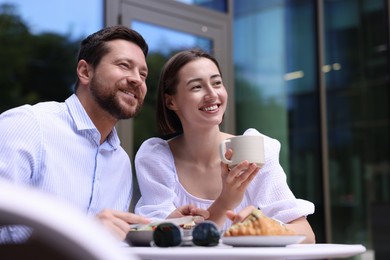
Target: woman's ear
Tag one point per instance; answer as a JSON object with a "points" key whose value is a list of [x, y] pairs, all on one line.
{"points": [[83, 72], [170, 102]]}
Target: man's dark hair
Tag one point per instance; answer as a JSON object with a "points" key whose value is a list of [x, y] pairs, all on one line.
{"points": [[94, 47]]}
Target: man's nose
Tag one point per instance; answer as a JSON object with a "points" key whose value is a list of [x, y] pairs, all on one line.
{"points": [[134, 78]]}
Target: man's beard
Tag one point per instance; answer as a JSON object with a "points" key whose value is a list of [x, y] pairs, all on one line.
{"points": [[110, 103]]}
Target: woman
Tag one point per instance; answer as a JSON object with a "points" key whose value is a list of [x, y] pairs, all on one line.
{"points": [[186, 169]]}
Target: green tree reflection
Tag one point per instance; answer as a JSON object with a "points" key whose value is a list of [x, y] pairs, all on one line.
{"points": [[34, 68]]}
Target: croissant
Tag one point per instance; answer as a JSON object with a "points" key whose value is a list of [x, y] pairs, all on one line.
{"points": [[258, 224]]}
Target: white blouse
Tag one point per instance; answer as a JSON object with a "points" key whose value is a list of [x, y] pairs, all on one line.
{"points": [[162, 193]]}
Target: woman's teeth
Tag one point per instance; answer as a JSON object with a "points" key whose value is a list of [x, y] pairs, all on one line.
{"points": [[210, 108]]}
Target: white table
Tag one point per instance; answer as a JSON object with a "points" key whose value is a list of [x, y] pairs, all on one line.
{"points": [[222, 252]]}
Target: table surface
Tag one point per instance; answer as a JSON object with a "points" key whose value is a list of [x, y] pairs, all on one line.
{"points": [[222, 252]]}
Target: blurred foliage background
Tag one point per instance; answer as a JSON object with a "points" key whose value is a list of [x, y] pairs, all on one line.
{"points": [[34, 68]]}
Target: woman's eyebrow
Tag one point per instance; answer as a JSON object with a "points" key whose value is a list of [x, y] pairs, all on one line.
{"points": [[199, 79], [193, 80]]}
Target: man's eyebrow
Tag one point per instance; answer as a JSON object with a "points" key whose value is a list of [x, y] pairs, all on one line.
{"points": [[130, 61], [124, 59]]}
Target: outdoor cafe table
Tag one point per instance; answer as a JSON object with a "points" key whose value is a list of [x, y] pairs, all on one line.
{"points": [[222, 252]]}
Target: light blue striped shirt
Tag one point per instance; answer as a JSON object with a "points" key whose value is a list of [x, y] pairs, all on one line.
{"points": [[55, 147]]}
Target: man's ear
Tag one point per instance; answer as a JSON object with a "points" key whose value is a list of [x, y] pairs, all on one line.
{"points": [[170, 102], [84, 72]]}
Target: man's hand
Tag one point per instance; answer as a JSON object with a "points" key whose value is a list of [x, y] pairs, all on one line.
{"points": [[119, 222]]}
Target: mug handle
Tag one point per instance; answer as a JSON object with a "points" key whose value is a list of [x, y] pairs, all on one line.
{"points": [[222, 151]]}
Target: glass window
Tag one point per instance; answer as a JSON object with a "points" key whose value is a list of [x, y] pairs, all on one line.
{"points": [[276, 88], [358, 95], [216, 5]]}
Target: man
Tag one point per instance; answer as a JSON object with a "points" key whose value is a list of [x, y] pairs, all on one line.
{"points": [[71, 150]]}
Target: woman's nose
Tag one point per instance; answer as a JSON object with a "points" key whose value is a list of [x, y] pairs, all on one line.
{"points": [[211, 93]]}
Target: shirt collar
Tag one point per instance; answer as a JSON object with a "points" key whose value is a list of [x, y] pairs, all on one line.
{"points": [[83, 122]]}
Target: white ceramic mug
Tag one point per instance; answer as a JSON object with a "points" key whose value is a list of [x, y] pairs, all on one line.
{"points": [[245, 147]]}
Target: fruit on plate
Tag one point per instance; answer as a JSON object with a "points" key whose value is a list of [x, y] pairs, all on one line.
{"points": [[258, 224]]}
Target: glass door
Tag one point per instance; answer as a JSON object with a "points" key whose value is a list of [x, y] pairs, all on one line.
{"points": [[168, 27]]}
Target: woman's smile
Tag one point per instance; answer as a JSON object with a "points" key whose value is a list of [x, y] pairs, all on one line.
{"points": [[210, 108]]}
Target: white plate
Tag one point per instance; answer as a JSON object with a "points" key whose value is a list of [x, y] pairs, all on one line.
{"points": [[262, 240]]}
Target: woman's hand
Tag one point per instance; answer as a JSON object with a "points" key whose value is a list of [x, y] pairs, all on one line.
{"points": [[189, 210], [235, 181], [118, 222], [240, 216]]}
